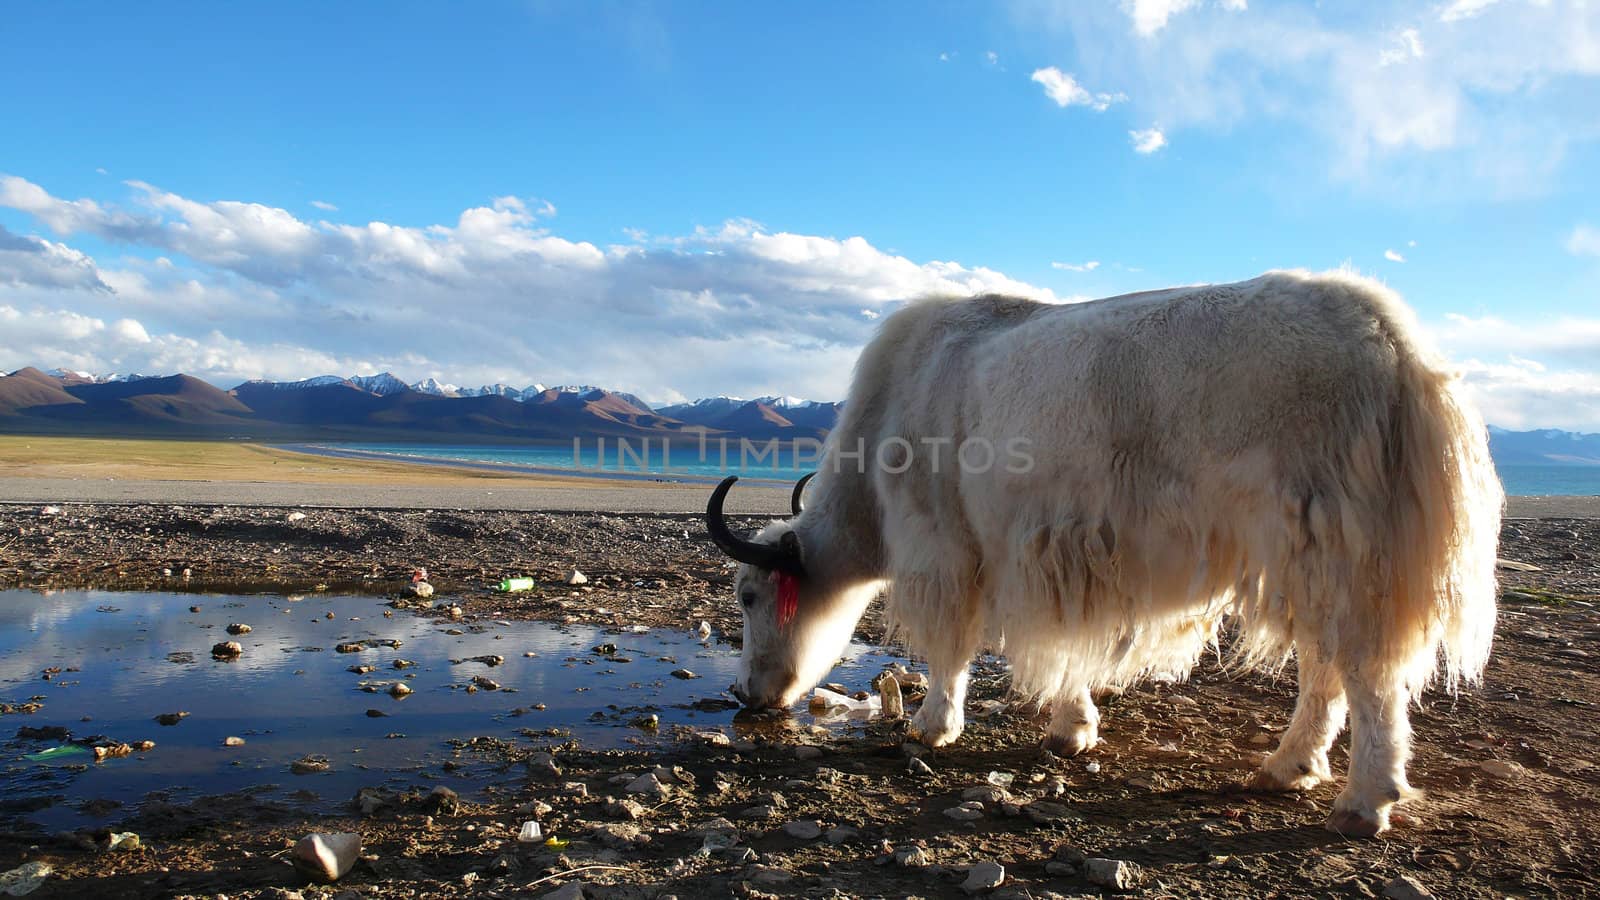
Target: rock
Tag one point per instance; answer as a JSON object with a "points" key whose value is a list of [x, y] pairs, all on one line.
{"points": [[986, 793], [625, 809], [1042, 811], [647, 784], [327, 857], [966, 812], [361, 669], [171, 718], [295, 516], [543, 764], [572, 890], [227, 650], [1116, 874], [1500, 768], [912, 858], [419, 589], [917, 767], [685, 674], [803, 829], [310, 765], [403, 663], [841, 833], [349, 647], [760, 813], [984, 876], [713, 739], [442, 801], [456, 612], [399, 689], [648, 721], [890, 698], [1511, 565], [239, 628], [1406, 888], [233, 741], [704, 630], [50, 511], [368, 801], [807, 751], [576, 577], [488, 684]]}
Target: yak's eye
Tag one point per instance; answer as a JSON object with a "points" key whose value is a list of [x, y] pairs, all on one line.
{"points": [[748, 598]]}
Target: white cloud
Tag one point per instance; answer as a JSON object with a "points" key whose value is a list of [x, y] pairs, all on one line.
{"points": [[1492, 103], [35, 262], [1066, 91], [1584, 241], [1147, 140], [1089, 266], [992, 57], [243, 290], [1393, 256], [324, 205], [944, 57], [1464, 9], [1541, 374], [1407, 46], [1150, 16]]}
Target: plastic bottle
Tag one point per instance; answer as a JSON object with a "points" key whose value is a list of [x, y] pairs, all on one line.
{"points": [[516, 584]]}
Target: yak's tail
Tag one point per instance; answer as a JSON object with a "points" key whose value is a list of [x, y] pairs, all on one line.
{"points": [[1444, 522]]}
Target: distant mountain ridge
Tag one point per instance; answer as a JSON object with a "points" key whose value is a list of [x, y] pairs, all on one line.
{"points": [[369, 407], [382, 406]]}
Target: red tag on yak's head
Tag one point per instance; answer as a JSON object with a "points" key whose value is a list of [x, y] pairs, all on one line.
{"points": [[788, 597]]}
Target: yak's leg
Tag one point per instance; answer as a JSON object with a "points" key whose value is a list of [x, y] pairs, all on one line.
{"points": [[1074, 723], [1380, 743], [942, 716], [1301, 760]]}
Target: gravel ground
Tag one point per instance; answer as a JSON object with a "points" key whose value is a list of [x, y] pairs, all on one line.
{"points": [[773, 808]]}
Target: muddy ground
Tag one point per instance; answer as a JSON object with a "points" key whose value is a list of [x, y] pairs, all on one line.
{"points": [[1512, 790]]}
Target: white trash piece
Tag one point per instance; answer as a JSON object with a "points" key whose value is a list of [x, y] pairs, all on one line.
{"points": [[828, 705], [531, 833]]}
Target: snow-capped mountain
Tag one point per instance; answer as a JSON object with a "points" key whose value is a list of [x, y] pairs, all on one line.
{"points": [[434, 387], [504, 390], [382, 384], [70, 376], [318, 381]]}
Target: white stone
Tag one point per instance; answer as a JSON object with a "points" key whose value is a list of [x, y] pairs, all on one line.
{"points": [[984, 876], [1116, 874], [576, 577], [327, 857], [572, 890], [966, 812]]}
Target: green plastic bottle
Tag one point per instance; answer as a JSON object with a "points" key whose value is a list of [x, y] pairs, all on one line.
{"points": [[516, 584]]}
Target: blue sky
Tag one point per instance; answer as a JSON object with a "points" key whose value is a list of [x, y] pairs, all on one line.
{"points": [[682, 199]]}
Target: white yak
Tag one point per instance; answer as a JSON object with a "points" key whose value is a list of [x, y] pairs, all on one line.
{"points": [[1092, 488]]}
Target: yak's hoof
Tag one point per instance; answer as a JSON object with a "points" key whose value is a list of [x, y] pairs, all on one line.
{"points": [[933, 729], [1272, 779], [1353, 824], [1078, 741]]}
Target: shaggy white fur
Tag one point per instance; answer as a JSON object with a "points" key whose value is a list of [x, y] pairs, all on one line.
{"points": [[1283, 453]]}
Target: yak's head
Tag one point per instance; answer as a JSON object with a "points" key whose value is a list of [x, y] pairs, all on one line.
{"points": [[795, 623]]}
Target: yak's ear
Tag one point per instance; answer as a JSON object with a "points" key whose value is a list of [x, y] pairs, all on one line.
{"points": [[790, 544]]}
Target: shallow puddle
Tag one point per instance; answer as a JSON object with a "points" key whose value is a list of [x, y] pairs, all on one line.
{"points": [[127, 658]]}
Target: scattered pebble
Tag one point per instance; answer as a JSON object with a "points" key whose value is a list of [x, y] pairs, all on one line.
{"points": [[239, 628], [984, 876], [227, 650], [803, 829], [1116, 874], [1406, 888], [327, 857]]}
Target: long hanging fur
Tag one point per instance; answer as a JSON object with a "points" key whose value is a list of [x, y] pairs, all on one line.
{"points": [[1284, 451]]}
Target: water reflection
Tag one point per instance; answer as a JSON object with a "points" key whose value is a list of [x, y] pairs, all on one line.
{"points": [[138, 655]]}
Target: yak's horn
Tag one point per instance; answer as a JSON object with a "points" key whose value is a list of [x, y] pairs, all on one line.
{"points": [[777, 557], [799, 488]]}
